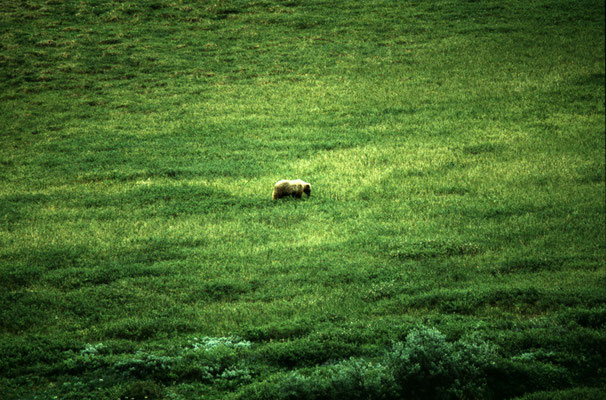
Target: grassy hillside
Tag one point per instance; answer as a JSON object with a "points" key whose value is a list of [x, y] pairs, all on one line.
{"points": [[453, 245]]}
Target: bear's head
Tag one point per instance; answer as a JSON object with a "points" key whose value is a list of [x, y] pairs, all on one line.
{"points": [[307, 189]]}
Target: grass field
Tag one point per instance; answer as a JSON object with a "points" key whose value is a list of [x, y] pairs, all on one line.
{"points": [[453, 245]]}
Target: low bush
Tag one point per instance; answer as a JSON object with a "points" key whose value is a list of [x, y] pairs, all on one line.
{"points": [[140, 390], [349, 379], [425, 365]]}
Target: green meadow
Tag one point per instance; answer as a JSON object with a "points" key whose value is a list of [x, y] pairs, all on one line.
{"points": [[453, 246]]}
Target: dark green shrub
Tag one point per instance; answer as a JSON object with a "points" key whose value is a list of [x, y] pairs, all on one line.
{"points": [[210, 359], [90, 358], [205, 360], [359, 379], [143, 366], [140, 390], [425, 365], [351, 379]]}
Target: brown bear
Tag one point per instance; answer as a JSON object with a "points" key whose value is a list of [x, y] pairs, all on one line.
{"points": [[294, 188]]}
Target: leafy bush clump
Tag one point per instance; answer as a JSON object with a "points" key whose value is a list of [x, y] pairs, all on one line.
{"points": [[212, 343], [359, 379], [142, 365], [425, 365], [351, 379], [220, 361], [206, 359], [211, 359], [140, 390]]}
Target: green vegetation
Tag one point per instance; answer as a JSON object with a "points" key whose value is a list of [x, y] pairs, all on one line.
{"points": [[453, 245]]}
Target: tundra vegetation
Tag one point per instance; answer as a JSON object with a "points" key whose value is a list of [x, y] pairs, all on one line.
{"points": [[454, 245]]}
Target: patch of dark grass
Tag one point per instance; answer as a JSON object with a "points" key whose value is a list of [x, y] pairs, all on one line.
{"points": [[305, 352], [24, 354], [592, 318], [51, 257], [528, 300], [103, 274], [528, 265], [15, 208], [342, 277], [146, 328], [291, 329], [498, 212], [17, 275], [453, 190], [150, 251], [220, 290], [25, 309], [23, 199], [428, 249], [582, 393], [223, 13], [168, 201], [481, 148], [593, 174], [94, 266], [513, 378]]}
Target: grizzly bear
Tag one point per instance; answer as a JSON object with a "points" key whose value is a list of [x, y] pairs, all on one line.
{"points": [[294, 188]]}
